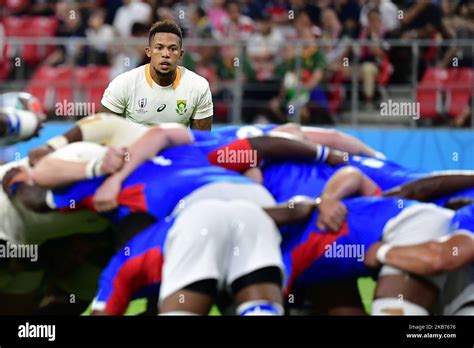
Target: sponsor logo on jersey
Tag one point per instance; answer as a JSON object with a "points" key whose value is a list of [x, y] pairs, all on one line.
{"points": [[161, 107]]}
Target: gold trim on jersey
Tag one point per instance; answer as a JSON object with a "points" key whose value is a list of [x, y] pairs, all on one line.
{"points": [[149, 79]]}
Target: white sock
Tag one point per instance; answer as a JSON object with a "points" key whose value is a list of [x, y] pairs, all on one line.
{"points": [[259, 307], [394, 306]]}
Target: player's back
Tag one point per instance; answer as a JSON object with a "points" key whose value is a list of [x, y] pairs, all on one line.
{"points": [[319, 256], [209, 141], [156, 186], [287, 179], [386, 174]]}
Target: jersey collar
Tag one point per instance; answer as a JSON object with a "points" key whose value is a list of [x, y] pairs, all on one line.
{"points": [[149, 80]]}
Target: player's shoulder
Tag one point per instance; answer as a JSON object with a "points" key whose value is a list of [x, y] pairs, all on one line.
{"points": [[192, 79], [131, 75]]}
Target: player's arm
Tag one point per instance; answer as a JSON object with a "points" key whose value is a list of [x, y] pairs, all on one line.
{"points": [[145, 148], [427, 258], [432, 187], [346, 182], [339, 141], [275, 147], [201, 118], [98, 128], [201, 124], [116, 96], [298, 209], [104, 109], [54, 172]]}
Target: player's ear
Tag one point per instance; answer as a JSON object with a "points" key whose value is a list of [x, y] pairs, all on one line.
{"points": [[148, 51], [181, 54]]}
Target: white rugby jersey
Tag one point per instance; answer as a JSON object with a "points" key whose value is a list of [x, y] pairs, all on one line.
{"points": [[135, 95], [20, 225]]}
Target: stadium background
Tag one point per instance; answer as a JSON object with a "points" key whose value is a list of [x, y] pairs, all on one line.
{"points": [[329, 63]]}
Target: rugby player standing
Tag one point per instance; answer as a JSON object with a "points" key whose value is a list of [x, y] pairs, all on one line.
{"points": [[161, 91]]}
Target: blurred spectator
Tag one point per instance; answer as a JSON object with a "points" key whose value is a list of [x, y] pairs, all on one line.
{"points": [[462, 53], [264, 46], [236, 25], [313, 12], [132, 11], [374, 63], [303, 25], [217, 15], [206, 66], [100, 35], [199, 25], [388, 13], [182, 12], [305, 94], [423, 20], [465, 118], [332, 31], [227, 63], [71, 26], [134, 55], [16, 7], [42, 7], [166, 13], [348, 12]]}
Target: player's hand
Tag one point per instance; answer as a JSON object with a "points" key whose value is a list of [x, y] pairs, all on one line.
{"points": [[38, 153], [106, 197], [332, 214], [371, 256], [113, 160]]}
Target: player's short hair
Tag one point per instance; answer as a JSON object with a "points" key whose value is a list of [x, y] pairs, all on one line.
{"points": [[166, 26]]}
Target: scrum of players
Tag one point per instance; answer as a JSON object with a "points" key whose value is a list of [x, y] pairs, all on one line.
{"points": [[258, 220]]}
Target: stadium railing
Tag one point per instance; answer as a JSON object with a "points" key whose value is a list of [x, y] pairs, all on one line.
{"points": [[448, 95]]}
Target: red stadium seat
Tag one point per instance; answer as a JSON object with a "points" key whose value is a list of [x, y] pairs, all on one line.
{"points": [[52, 85], [429, 92], [93, 80], [459, 90], [32, 27]]}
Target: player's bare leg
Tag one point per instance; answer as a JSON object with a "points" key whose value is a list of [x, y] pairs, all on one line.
{"points": [[404, 294], [337, 298]]}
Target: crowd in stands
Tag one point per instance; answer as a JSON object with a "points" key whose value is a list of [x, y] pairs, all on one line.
{"points": [[267, 31]]}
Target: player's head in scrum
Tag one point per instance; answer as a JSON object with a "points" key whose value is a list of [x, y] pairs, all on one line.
{"points": [[165, 48]]}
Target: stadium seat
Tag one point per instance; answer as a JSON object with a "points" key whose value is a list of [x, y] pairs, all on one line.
{"points": [[52, 85], [93, 80], [429, 92], [459, 89], [32, 27]]}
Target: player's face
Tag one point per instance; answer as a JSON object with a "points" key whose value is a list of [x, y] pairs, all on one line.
{"points": [[165, 52]]}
